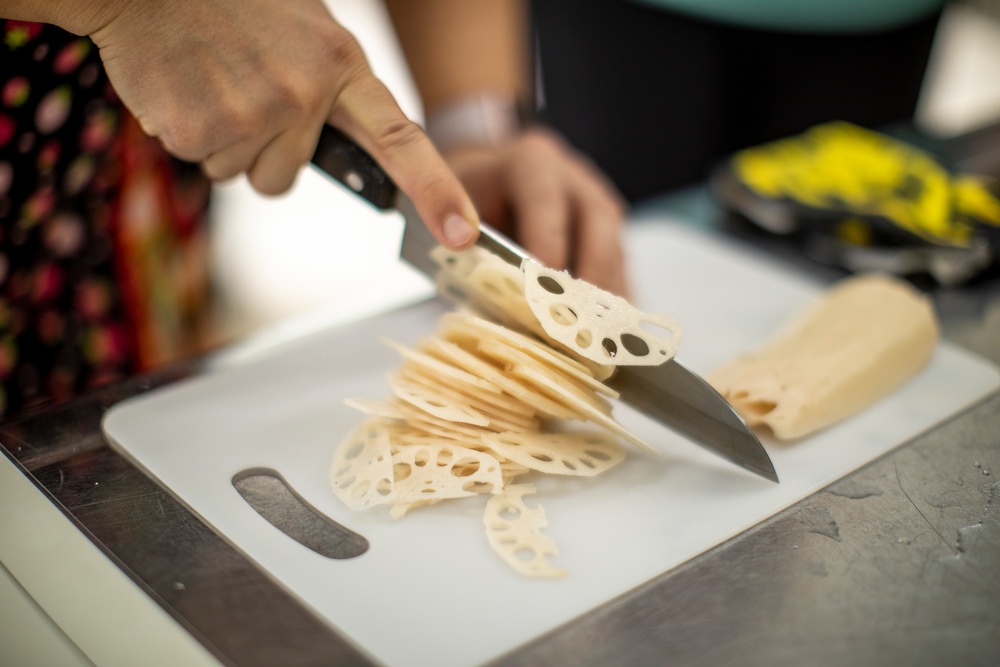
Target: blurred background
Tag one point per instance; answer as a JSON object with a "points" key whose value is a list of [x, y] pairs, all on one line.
{"points": [[318, 255]]}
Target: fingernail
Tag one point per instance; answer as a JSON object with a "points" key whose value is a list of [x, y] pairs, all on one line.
{"points": [[458, 230]]}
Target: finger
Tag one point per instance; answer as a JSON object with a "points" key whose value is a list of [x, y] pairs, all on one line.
{"points": [[195, 138], [276, 167], [542, 210], [366, 110], [227, 141], [475, 168], [600, 214], [232, 160], [599, 254], [181, 140]]}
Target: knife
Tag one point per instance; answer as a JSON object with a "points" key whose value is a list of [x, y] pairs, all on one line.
{"points": [[668, 393]]}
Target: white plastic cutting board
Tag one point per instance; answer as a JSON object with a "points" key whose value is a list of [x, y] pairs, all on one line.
{"points": [[430, 591]]}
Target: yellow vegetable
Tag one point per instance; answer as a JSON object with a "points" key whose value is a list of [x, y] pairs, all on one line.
{"points": [[845, 168]]}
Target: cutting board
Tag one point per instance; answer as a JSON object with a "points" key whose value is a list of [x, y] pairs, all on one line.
{"points": [[429, 591]]}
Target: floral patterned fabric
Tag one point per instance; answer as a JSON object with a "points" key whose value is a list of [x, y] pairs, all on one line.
{"points": [[102, 250]]}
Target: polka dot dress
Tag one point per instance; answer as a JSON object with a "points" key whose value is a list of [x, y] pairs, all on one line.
{"points": [[101, 244]]}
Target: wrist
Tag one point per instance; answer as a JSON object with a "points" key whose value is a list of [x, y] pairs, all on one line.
{"points": [[479, 120]]}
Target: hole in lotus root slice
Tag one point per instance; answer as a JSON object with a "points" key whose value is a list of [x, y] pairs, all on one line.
{"points": [[582, 454], [468, 468], [563, 314], [599, 315], [438, 476], [550, 285], [361, 472], [634, 345], [514, 530]]}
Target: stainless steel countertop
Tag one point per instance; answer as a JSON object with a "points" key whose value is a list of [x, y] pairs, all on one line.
{"points": [[898, 563]]}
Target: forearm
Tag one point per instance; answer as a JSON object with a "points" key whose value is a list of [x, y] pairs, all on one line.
{"points": [[457, 49]]}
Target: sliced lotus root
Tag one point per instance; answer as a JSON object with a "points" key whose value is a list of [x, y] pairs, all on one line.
{"points": [[482, 281], [597, 325], [437, 404], [361, 472], [408, 436], [587, 412], [510, 470], [504, 403], [425, 472], [509, 346], [444, 404], [457, 264], [515, 533], [456, 432], [386, 409], [411, 425], [509, 411], [499, 290], [583, 454], [557, 387], [399, 510], [451, 374], [510, 358], [476, 366], [469, 415]]}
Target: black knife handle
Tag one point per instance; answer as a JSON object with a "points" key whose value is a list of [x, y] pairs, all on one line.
{"points": [[338, 156]]}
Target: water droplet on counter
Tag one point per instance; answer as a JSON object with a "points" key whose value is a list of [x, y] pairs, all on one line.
{"points": [[178, 586], [903, 540], [978, 464], [795, 546], [986, 472]]}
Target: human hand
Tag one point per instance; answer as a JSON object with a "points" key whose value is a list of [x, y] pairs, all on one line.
{"points": [[550, 198], [245, 86]]}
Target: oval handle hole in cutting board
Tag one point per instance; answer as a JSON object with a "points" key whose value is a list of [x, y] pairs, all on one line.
{"points": [[271, 497]]}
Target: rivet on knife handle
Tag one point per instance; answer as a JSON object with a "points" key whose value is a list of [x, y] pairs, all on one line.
{"points": [[338, 155]]}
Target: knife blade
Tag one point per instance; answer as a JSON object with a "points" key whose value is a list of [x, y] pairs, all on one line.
{"points": [[668, 393]]}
